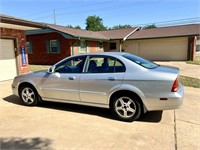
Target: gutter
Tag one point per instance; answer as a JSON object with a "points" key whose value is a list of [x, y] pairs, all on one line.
{"points": [[124, 39], [18, 21]]}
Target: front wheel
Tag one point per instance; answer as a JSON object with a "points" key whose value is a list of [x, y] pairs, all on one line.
{"points": [[126, 108], [28, 96]]}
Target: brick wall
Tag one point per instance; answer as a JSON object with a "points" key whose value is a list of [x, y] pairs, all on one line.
{"points": [[20, 40], [68, 46], [40, 55]]}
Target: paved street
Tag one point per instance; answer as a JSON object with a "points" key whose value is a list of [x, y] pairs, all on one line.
{"points": [[66, 126]]}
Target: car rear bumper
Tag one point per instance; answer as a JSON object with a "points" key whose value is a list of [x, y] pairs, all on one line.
{"points": [[174, 101]]}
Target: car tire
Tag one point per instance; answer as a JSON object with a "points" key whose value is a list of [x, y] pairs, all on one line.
{"points": [[126, 108], [29, 95]]}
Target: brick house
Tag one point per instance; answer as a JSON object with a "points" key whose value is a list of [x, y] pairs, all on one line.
{"points": [[13, 54], [48, 46]]}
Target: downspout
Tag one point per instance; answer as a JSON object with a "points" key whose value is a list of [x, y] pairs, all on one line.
{"points": [[124, 39]]}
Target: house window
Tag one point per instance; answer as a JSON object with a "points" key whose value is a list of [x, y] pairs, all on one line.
{"points": [[54, 46], [100, 45], [29, 47], [113, 46], [82, 46]]}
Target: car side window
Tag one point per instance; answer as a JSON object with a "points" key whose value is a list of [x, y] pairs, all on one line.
{"points": [[73, 65], [104, 64]]}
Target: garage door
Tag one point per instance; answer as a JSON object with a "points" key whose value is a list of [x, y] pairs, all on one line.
{"points": [[7, 60], [164, 49]]}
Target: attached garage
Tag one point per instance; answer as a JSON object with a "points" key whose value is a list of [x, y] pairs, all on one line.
{"points": [[175, 43], [159, 49], [13, 52], [8, 66]]}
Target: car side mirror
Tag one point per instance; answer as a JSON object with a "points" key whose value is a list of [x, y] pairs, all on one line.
{"points": [[51, 69]]}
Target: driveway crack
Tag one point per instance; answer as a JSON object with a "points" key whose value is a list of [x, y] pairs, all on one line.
{"points": [[175, 132]]}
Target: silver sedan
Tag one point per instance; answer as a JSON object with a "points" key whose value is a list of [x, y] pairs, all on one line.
{"points": [[125, 83]]}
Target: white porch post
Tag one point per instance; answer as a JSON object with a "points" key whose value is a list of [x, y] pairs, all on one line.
{"points": [[120, 46]]}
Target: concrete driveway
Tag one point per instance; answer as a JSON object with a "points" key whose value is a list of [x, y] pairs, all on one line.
{"points": [[65, 126]]}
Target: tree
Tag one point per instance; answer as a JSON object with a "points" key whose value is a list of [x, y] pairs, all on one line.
{"points": [[94, 23], [150, 26], [121, 26], [75, 27]]}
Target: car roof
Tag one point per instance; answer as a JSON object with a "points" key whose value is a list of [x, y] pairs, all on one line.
{"points": [[103, 53]]}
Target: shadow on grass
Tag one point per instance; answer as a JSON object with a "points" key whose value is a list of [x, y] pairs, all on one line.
{"points": [[154, 116], [25, 143]]}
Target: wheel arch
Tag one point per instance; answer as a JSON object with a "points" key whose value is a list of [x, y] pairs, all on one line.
{"points": [[129, 93], [30, 85]]}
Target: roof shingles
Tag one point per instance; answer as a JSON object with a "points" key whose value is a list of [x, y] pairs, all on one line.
{"points": [[78, 32], [104, 35], [173, 31]]}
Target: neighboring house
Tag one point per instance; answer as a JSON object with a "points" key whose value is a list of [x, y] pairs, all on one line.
{"points": [[13, 55], [47, 46]]}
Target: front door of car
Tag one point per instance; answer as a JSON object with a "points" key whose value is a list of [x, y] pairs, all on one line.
{"points": [[103, 74], [63, 82]]}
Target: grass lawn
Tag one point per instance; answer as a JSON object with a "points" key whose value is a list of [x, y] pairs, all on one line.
{"points": [[196, 60], [188, 81], [34, 68]]}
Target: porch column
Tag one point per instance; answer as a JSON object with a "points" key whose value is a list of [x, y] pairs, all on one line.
{"points": [[120, 45]]}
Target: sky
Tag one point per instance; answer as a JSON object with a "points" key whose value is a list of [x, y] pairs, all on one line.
{"points": [[113, 12]]}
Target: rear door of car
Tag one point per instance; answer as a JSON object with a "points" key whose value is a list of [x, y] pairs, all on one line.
{"points": [[102, 75]]}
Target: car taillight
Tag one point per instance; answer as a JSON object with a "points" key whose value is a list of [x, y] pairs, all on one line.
{"points": [[175, 86]]}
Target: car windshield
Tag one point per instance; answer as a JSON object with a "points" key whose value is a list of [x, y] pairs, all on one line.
{"points": [[140, 61]]}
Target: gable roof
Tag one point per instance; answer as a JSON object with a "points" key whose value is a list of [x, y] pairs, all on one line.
{"points": [[173, 31]]}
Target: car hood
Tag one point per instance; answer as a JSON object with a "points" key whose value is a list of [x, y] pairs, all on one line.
{"points": [[33, 74]]}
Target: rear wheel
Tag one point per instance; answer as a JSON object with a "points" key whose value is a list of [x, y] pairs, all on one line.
{"points": [[28, 96], [126, 108]]}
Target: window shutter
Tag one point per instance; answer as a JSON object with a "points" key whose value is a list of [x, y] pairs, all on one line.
{"points": [[30, 48], [48, 46], [58, 45]]}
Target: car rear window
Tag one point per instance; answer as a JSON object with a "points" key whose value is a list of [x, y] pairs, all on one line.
{"points": [[141, 61]]}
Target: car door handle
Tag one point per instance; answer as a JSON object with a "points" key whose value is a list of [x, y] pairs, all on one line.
{"points": [[111, 78], [71, 78]]}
